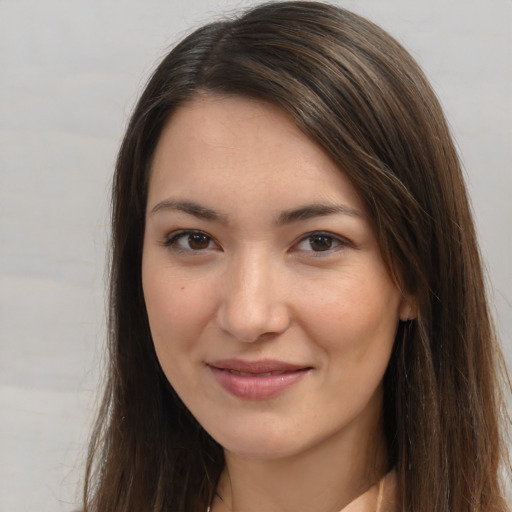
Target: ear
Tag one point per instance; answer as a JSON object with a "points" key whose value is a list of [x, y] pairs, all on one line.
{"points": [[408, 308]]}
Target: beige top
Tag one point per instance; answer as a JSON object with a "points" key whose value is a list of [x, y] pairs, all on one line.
{"points": [[379, 498]]}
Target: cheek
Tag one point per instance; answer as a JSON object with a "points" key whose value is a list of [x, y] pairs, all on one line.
{"points": [[353, 318], [177, 309]]}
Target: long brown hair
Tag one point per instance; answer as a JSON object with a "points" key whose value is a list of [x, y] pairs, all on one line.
{"points": [[352, 88]]}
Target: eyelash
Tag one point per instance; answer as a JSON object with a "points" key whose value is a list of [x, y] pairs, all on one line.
{"points": [[172, 240], [339, 243]]}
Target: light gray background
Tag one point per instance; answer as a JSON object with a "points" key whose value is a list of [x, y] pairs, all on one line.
{"points": [[70, 71]]}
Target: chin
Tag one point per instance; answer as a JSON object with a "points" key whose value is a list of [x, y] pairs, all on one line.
{"points": [[262, 449], [260, 442]]}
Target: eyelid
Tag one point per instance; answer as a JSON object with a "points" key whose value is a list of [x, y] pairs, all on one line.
{"points": [[170, 240], [342, 242]]}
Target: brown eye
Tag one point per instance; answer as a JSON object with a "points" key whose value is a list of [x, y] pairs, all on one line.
{"points": [[191, 241], [321, 242], [198, 241]]}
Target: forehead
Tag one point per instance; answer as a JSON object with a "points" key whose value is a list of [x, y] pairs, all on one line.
{"points": [[236, 147]]}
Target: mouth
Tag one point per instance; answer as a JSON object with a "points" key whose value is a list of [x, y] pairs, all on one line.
{"points": [[256, 380], [249, 374]]}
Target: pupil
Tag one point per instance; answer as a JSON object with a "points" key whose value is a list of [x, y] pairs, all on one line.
{"points": [[320, 243], [198, 241]]}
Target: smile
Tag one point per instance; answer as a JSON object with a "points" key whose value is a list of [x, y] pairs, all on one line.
{"points": [[256, 380]]}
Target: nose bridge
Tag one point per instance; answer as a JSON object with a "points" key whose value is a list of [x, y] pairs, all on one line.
{"points": [[252, 303]]}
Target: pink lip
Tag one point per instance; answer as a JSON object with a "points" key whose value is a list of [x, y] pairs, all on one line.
{"points": [[256, 380]]}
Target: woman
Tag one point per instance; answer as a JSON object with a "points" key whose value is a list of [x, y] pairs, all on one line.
{"points": [[298, 314]]}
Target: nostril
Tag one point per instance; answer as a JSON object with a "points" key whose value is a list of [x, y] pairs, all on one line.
{"points": [[252, 306], [254, 325]]}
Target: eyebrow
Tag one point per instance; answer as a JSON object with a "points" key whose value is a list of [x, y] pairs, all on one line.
{"points": [[315, 210], [191, 208], [286, 217]]}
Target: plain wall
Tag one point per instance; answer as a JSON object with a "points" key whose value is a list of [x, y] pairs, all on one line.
{"points": [[70, 72]]}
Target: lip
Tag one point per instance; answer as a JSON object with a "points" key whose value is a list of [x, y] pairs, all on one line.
{"points": [[256, 380]]}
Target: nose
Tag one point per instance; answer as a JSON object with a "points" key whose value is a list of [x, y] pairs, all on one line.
{"points": [[253, 302]]}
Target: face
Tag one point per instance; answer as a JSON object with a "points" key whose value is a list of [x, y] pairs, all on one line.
{"points": [[272, 313]]}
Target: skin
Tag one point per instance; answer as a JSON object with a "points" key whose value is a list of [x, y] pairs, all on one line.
{"points": [[254, 285]]}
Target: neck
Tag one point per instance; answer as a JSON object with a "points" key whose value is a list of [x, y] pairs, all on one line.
{"points": [[324, 478]]}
